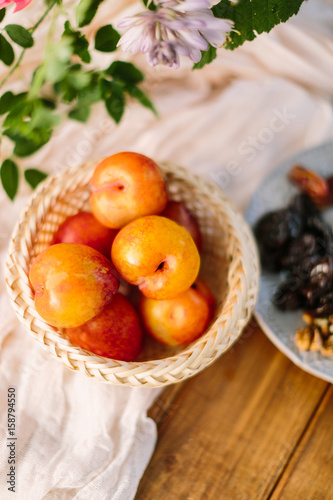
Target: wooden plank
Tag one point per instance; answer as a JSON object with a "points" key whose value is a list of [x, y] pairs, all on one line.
{"points": [[228, 432], [310, 470], [165, 405]]}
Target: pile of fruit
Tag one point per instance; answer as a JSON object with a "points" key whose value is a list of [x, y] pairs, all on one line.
{"points": [[297, 241], [135, 240]]}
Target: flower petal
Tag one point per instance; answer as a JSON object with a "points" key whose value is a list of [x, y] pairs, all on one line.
{"points": [[132, 40], [206, 19], [186, 5], [184, 28], [4, 3], [126, 22], [148, 41], [193, 38], [215, 38], [195, 55], [19, 4]]}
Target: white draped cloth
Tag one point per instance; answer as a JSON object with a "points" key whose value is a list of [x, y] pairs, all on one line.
{"points": [[231, 122]]}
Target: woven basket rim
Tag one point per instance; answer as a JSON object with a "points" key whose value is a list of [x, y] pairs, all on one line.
{"points": [[40, 202]]}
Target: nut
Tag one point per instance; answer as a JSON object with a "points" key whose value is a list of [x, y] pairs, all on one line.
{"points": [[322, 323], [308, 319], [317, 342], [327, 349], [304, 338]]}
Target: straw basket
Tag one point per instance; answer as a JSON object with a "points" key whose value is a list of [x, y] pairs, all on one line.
{"points": [[229, 265]]}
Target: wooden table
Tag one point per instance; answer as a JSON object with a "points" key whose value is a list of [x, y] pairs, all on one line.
{"points": [[251, 426]]}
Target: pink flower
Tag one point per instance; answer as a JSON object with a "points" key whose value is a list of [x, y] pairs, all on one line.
{"points": [[176, 28], [20, 4]]}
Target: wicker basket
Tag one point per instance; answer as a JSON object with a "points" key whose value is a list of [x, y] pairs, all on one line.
{"points": [[229, 265]]}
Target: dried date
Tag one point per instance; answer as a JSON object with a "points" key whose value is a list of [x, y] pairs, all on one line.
{"points": [[311, 184]]}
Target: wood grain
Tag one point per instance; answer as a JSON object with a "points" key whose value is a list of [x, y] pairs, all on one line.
{"points": [[228, 433], [309, 472]]}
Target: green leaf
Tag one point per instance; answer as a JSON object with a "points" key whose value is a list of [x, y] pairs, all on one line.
{"points": [[149, 4], [85, 11], [114, 98], [91, 93], [26, 147], [58, 59], [28, 144], [140, 96], [81, 114], [19, 35], [106, 39], [207, 57], [43, 117], [9, 177], [48, 103], [252, 17], [2, 14], [19, 114], [6, 102], [74, 82], [126, 72], [78, 79], [29, 125], [68, 93], [79, 42], [6, 51], [33, 176], [9, 100]]}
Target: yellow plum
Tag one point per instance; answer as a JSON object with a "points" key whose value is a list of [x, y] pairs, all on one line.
{"points": [[178, 212], [124, 187], [72, 283], [176, 321], [158, 255]]}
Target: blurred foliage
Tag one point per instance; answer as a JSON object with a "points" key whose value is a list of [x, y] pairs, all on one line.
{"points": [[65, 77]]}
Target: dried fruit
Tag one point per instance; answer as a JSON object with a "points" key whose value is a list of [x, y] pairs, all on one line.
{"points": [[299, 249], [321, 274], [298, 240], [287, 296], [304, 206], [322, 232], [330, 190], [310, 183], [270, 259], [324, 305], [274, 231]]}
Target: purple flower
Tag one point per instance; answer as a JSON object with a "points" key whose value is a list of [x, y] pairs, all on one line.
{"points": [[164, 52], [186, 5], [176, 28]]}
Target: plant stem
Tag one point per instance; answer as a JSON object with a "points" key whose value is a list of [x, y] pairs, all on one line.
{"points": [[39, 75], [16, 65], [50, 7]]}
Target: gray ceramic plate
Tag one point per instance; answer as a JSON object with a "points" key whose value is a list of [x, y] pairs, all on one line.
{"points": [[275, 192]]}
